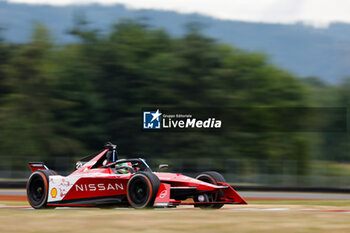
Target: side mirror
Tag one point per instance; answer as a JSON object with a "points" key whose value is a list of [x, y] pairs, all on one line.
{"points": [[163, 166]]}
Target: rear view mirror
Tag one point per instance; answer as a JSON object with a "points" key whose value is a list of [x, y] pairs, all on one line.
{"points": [[163, 166]]}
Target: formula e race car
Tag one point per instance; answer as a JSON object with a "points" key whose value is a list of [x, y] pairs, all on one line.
{"points": [[104, 180]]}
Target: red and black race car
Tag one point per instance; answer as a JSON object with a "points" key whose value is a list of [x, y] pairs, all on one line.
{"points": [[103, 180]]}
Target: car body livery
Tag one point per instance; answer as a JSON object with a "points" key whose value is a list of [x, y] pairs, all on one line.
{"points": [[97, 183]]}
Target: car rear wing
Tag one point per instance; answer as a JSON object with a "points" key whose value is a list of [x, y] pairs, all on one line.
{"points": [[34, 166]]}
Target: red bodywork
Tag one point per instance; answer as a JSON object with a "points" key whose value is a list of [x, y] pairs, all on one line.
{"points": [[92, 184]]}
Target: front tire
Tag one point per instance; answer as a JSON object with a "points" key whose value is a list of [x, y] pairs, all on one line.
{"points": [[37, 188], [211, 177], [142, 189]]}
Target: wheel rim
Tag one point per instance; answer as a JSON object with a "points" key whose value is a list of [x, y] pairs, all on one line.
{"points": [[210, 196], [37, 190], [139, 191]]}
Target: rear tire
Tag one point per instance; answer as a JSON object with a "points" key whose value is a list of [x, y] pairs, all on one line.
{"points": [[37, 188], [142, 189], [212, 177]]}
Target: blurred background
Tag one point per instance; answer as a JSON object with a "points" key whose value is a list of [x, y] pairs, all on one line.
{"points": [[75, 76]]}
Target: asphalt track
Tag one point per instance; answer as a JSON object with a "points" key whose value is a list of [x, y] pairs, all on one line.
{"points": [[248, 195], [230, 208], [21, 196]]}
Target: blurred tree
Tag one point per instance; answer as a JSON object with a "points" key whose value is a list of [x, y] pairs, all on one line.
{"points": [[301, 155], [4, 57], [335, 146], [65, 100], [28, 127]]}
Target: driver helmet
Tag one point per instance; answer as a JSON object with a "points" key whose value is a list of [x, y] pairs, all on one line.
{"points": [[123, 170]]}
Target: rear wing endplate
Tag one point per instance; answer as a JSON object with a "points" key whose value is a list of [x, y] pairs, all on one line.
{"points": [[34, 166]]}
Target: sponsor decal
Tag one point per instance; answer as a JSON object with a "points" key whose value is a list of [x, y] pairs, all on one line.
{"points": [[151, 120], [61, 186], [191, 123], [53, 193], [163, 194], [157, 120], [98, 187]]}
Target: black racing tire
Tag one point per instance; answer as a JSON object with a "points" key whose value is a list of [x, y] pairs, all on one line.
{"points": [[37, 188], [212, 177], [142, 190]]}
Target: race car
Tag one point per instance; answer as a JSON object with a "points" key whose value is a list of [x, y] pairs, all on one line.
{"points": [[103, 180]]}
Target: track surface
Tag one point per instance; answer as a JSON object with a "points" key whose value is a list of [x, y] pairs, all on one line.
{"points": [[245, 219], [19, 195], [320, 213], [256, 208], [296, 195]]}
